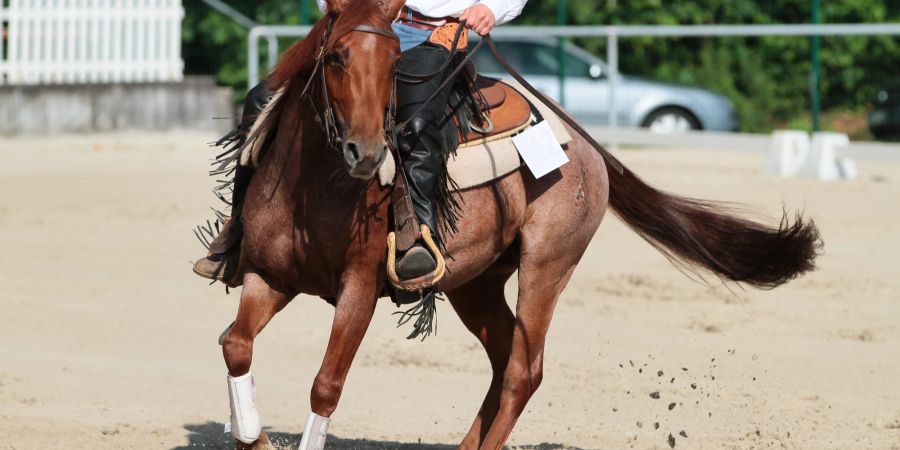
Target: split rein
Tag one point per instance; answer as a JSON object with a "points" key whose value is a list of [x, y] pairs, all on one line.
{"points": [[327, 120]]}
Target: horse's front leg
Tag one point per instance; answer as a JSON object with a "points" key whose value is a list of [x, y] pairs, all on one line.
{"points": [[353, 313], [259, 303]]}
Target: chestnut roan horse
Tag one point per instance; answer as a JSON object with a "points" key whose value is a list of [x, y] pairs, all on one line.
{"points": [[315, 222]]}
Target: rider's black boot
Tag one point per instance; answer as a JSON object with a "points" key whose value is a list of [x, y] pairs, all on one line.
{"points": [[423, 147]]}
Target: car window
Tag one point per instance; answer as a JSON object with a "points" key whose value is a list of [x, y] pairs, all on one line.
{"points": [[530, 59], [544, 59], [577, 67], [549, 56], [518, 55]]}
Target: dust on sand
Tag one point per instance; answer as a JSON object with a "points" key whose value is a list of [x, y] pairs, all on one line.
{"points": [[110, 340]]}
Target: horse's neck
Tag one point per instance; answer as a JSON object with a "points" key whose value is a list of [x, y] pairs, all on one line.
{"points": [[316, 158]]}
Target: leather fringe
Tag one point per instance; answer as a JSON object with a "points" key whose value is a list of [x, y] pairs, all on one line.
{"points": [[465, 103], [425, 313], [223, 167]]}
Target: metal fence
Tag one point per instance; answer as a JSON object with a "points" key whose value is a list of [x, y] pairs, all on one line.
{"points": [[90, 41], [609, 90], [614, 33]]}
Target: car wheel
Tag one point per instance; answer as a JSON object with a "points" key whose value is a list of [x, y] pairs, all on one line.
{"points": [[885, 136], [670, 120]]}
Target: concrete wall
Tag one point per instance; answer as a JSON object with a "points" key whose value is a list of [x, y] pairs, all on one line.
{"points": [[196, 104]]}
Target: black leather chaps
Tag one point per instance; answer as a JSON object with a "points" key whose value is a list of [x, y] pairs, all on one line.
{"points": [[428, 139], [256, 101]]}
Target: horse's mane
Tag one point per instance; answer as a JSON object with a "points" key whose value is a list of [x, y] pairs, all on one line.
{"points": [[299, 58]]}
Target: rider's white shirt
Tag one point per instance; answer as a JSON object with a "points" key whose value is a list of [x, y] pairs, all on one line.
{"points": [[504, 10]]}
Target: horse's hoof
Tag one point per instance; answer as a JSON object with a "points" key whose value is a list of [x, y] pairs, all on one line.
{"points": [[262, 443]]}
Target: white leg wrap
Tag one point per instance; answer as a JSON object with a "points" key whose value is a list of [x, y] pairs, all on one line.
{"points": [[245, 423], [315, 433]]}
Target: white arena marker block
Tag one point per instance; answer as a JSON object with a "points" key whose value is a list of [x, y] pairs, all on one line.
{"points": [[847, 168], [822, 163], [788, 149]]}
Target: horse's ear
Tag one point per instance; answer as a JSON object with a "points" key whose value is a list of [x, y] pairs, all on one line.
{"points": [[334, 7], [392, 8]]}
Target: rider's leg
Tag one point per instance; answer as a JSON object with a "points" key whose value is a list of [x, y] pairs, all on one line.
{"points": [[210, 266], [422, 147], [256, 101]]}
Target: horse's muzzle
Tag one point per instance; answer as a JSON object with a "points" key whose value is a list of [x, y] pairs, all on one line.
{"points": [[363, 161]]}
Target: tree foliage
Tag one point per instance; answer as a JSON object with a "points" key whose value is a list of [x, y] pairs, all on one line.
{"points": [[215, 44], [767, 78]]}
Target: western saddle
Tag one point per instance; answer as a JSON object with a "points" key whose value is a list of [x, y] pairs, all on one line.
{"points": [[505, 112]]}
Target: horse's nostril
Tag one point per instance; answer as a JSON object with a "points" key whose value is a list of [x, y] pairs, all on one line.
{"points": [[353, 149]]}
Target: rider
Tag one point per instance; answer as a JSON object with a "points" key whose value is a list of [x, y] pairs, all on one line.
{"points": [[423, 147]]}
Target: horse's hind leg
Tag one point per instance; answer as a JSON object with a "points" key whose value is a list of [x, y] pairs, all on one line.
{"points": [[542, 278], [259, 303], [482, 307]]}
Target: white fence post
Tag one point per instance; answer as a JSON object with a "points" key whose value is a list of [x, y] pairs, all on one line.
{"points": [[91, 41]]}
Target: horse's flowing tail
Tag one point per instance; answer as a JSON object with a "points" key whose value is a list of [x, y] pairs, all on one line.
{"points": [[697, 233]]}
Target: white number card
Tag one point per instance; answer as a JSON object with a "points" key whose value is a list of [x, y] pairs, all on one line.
{"points": [[540, 150]]}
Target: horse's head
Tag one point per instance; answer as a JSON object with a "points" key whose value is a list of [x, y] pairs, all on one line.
{"points": [[359, 63]]}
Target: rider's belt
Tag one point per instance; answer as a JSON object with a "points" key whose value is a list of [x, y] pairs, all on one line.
{"points": [[443, 29], [415, 19]]}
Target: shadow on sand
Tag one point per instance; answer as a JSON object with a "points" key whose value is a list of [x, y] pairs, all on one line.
{"points": [[209, 435]]}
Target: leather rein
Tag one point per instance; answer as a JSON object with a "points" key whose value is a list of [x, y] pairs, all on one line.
{"points": [[327, 120], [547, 101]]}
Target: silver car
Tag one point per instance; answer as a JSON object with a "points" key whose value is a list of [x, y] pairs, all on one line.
{"points": [[661, 107]]}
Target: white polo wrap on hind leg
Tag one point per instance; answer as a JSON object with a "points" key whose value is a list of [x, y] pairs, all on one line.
{"points": [[245, 424], [315, 433]]}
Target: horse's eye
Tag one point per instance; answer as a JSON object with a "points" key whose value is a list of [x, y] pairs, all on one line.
{"points": [[334, 59]]}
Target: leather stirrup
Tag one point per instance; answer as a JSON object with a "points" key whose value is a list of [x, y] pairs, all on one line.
{"points": [[425, 281]]}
